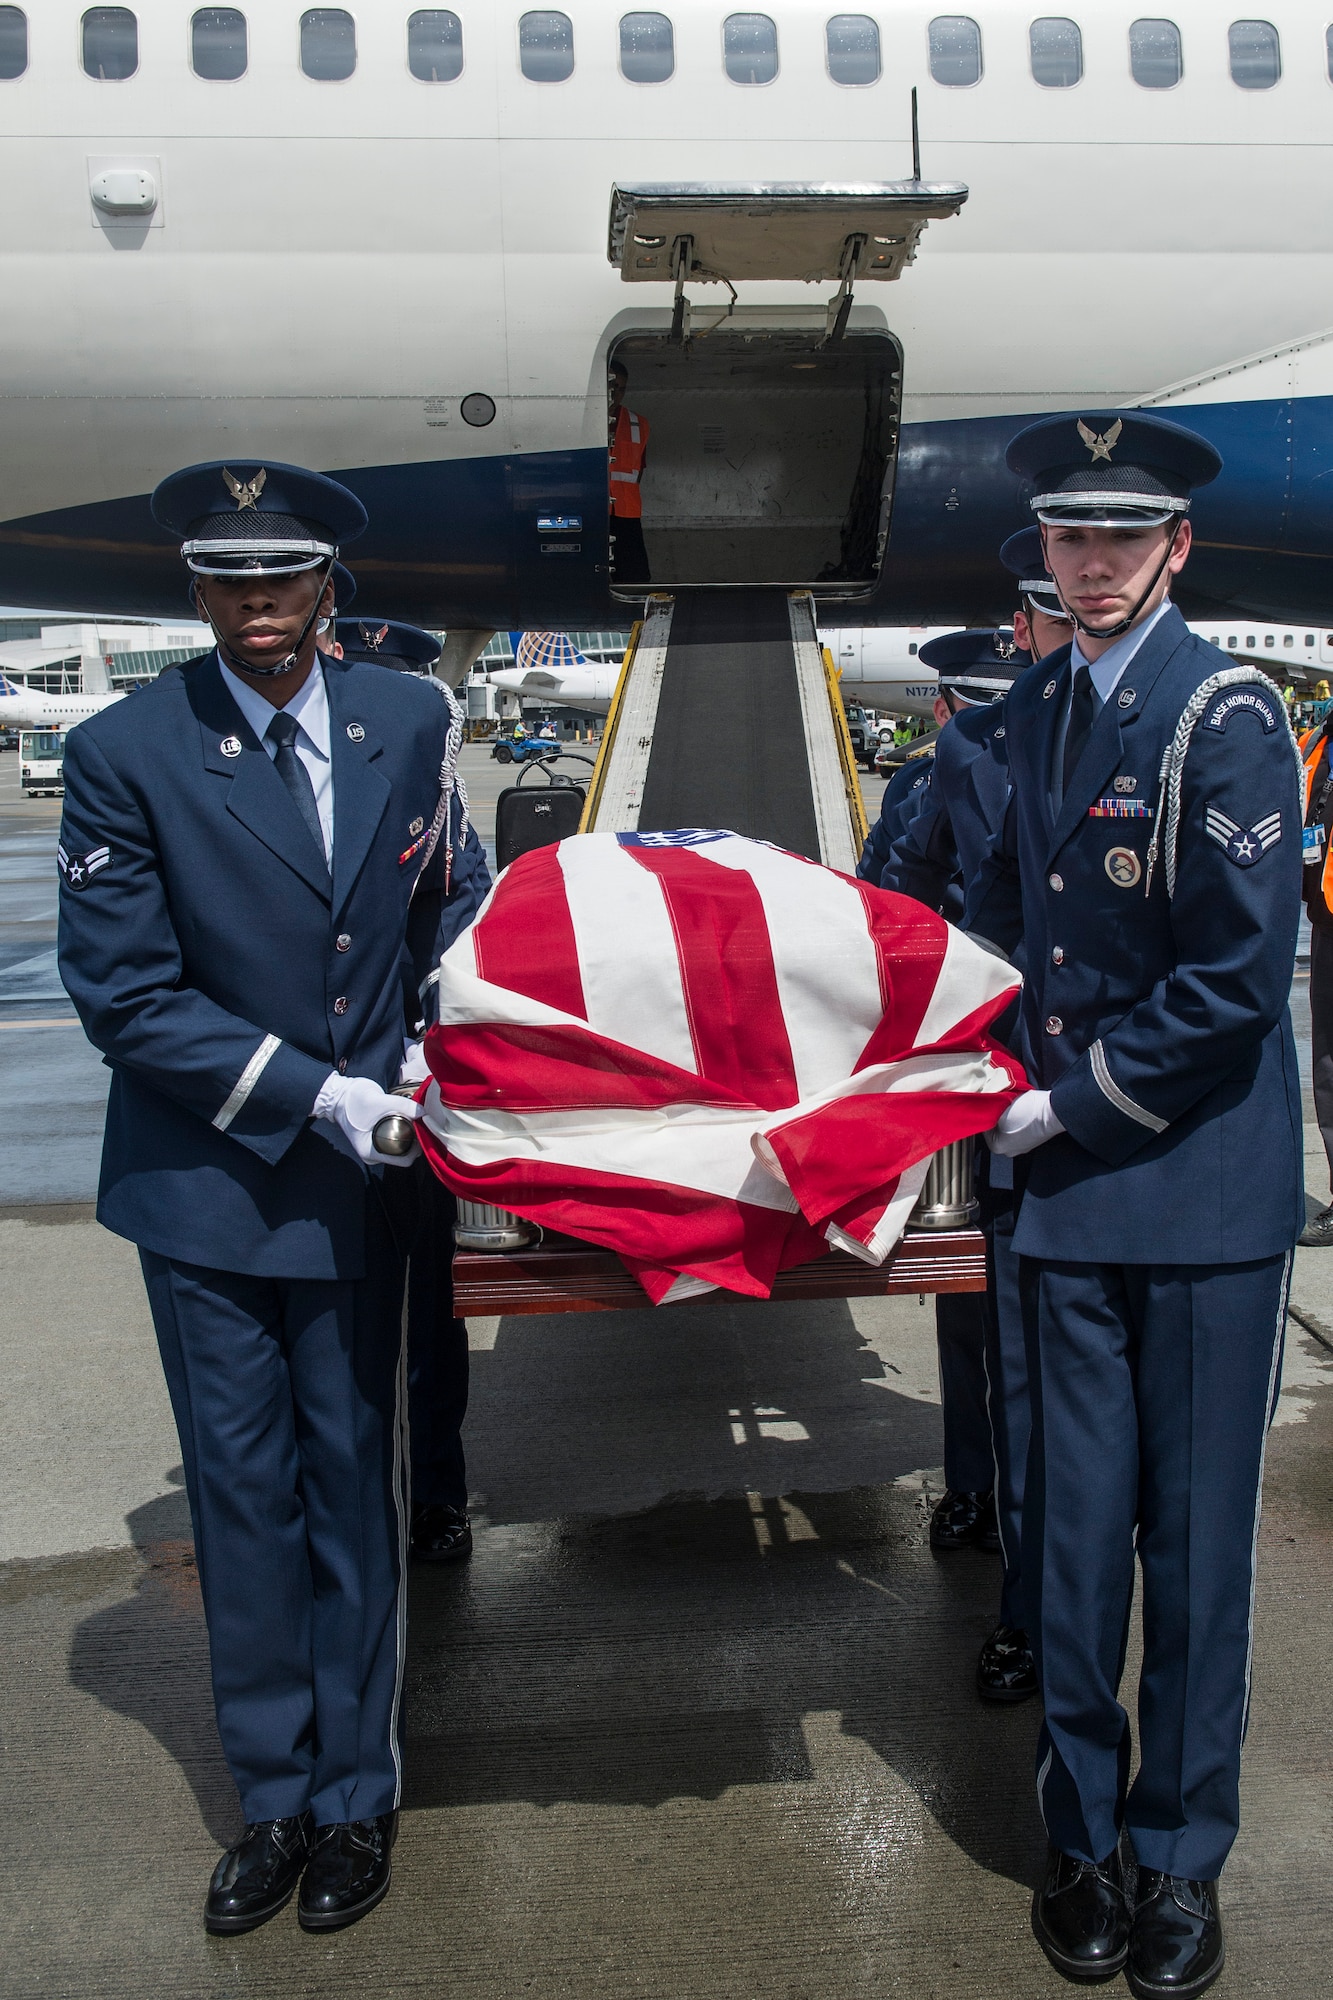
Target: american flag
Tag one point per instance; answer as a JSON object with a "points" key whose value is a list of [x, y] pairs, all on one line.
{"points": [[713, 1057]]}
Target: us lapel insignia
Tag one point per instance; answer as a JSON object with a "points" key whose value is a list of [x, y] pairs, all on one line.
{"points": [[1048, 691], [355, 733], [416, 826], [1127, 697], [231, 746]]}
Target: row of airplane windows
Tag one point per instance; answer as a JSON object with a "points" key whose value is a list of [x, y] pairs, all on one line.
{"points": [[219, 48]]}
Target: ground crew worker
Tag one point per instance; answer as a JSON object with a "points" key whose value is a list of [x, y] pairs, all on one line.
{"points": [[983, 1368], [629, 458], [1150, 870], [237, 866], [1317, 883], [437, 1349]]}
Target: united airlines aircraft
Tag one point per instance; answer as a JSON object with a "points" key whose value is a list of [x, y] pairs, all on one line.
{"points": [[403, 245]]}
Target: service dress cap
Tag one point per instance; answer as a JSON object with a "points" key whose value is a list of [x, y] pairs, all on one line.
{"points": [[1111, 468], [244, 516], [388, 643], [979, 665], [1024, 557]]}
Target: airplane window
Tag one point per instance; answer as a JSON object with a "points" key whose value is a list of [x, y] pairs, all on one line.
{"points": [[647, 48], [750, 48], [13, 42], [1154, 54], [435, 45], [546, 46], [1249, 638], [912, 647], [328, 44], [110, 43], [217, 44], [1256, 54], [852, 43], [1056, 48], [1287, 639], [1268, 639], [1232, 640], [1309, 638], [955, 50]]}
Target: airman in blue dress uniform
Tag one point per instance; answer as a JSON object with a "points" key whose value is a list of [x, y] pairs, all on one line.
{"points": [[437, 1350], [242, 849], [983, 1370], [903, 796], [1150, 869]]}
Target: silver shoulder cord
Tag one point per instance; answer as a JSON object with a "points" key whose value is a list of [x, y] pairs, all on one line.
{"points": [[1170, 776], [450, 784]]}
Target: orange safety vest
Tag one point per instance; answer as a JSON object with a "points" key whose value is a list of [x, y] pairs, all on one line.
{"points": [[1314, 749], [629, 447]]}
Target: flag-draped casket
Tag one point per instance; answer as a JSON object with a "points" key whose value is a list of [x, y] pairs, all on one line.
{"points": [[714, 1057]]}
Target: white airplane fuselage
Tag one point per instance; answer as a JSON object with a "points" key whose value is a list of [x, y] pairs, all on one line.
{"points": [[30, 708], [331, 270]]}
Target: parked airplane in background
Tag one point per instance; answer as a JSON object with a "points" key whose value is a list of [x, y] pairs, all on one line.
{"points": [[32, 708], [1112, 210]]}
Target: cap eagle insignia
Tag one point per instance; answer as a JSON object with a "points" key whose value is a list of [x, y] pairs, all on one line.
{"points": [[374, 636], [245, 492], [1103, 446]]}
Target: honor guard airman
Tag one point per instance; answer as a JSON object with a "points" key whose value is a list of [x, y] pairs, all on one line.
{"points": [[243, 847], [1149, 870], [983, 1368], [437, 1350]]}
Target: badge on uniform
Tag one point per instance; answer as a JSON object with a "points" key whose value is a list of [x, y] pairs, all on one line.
{"points": [[1240, 844], [78, 869], [355, 733], [1242, 698], [231, 746], [1123, 866]]}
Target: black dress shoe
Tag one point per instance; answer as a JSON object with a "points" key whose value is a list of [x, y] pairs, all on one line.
{"points": [[255, 1879], [1176, 1947], [987, 1535], [1080, 1917], [957, 1519], [348, 1872], [1318, 1231], [441, 1534], [1006, 1670]]}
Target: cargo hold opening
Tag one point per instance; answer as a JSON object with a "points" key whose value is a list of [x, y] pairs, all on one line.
{"points": [[770, 458]]}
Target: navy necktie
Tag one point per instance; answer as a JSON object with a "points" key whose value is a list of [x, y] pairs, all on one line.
{"points": [[1082, 714], [282, 731]]}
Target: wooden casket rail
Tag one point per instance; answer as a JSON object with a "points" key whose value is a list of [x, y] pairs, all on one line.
{"points": [[563, 1275]]}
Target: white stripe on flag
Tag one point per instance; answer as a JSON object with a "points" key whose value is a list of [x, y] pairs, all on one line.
{"points": [[699, 1146], [821, 943], [968, 979], [629, 966]]}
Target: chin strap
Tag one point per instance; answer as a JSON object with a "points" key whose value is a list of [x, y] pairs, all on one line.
{"points": [[1114, 631], [240, 666]]}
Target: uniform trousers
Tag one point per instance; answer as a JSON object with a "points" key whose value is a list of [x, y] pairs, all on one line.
{"points": [[1006, 1394], [1152, 1388], [288, 1397], [437, 1352], [1321, 1031], [629, 558], [960, 1334]]}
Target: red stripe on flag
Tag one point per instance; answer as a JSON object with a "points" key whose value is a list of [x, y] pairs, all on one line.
{"points": [[526, 939], [650, 1223], [731, 989], [509, 1068], [910, 943]]}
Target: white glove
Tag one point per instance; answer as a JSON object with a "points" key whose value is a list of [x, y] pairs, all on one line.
{"points": [[415, 1068], [1028, 1122], [356, 1105]]}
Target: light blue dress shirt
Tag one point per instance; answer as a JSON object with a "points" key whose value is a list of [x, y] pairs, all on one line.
{"points": [[310, 707]]}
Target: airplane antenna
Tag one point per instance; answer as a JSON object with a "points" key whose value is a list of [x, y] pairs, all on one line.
{"points": [[916, 140]]}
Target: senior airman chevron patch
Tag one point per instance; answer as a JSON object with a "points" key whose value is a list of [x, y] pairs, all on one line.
{"points": [[1243, 845]]}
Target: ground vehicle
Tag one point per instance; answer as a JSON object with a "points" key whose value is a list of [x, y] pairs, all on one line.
{"points": [[864, 735], [891, 756], [42, 762], [521, 750]]}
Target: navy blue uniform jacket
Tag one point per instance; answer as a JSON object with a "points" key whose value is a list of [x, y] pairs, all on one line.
{"points": [[223, 975], [902, 796], [952, 831], [1159, 1022]]}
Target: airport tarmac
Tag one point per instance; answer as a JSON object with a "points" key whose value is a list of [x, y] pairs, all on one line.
{"points": [[698, 1718]]}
